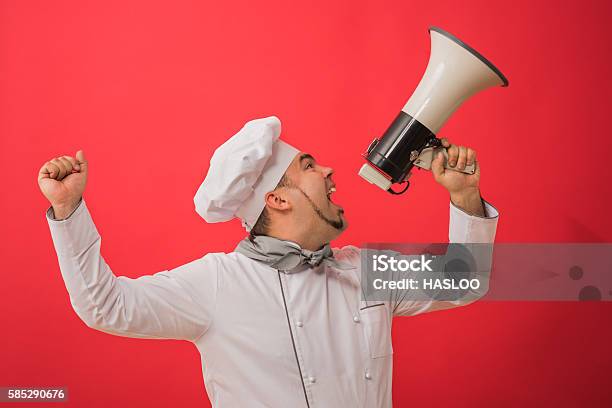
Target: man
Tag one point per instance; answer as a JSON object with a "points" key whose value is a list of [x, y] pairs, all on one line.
{"points": [[280, 321]]}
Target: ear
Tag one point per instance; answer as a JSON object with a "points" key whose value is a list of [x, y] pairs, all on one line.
{"points": [[278, 200]]}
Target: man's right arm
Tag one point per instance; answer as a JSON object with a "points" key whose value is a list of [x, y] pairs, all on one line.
{"points": [[172, 304]]}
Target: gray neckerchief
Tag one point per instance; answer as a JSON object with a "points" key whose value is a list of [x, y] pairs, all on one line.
{"points": [[287, 255]]}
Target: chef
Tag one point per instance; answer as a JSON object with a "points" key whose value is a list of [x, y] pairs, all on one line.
{"points": [[280, 321]]}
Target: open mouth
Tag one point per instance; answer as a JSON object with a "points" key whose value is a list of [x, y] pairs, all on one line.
{"points": [[330, 192]]}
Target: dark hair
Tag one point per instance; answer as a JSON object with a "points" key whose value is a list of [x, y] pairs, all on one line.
{"points": [[262, 225]]}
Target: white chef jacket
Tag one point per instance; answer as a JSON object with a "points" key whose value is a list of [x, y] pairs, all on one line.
{"points": [[266, 338]]}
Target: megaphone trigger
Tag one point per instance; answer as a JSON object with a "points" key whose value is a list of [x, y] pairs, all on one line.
{"points": [[427, 156]]}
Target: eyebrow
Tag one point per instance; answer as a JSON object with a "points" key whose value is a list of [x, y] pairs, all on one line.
{"points": [[306, 156]]}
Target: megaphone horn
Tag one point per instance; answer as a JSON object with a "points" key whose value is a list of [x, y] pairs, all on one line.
{"points": [[455, 72]]}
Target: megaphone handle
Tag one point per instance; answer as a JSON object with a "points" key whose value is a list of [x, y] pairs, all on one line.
{"points": [[427, 155]]}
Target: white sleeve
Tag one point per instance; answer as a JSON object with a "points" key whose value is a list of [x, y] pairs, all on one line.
{"points": [[464, 228], [171, 304]]}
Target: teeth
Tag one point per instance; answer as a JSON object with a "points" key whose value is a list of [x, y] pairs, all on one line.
{"points": [[330, 191]]}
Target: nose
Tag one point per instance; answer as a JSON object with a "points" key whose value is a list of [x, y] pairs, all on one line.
{"points": [[327, 171]]}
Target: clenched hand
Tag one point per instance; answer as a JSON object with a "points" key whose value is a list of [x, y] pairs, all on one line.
{"points": [[464, 188], [62, 181]]}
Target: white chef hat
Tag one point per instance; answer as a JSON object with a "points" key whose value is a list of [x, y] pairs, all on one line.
{"points": [[242, 170]]}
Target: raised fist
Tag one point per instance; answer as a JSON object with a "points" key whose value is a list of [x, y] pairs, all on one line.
{"points": [[62, 181]]}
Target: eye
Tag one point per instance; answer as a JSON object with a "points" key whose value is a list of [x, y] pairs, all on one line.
{"points": [[309, 165]]}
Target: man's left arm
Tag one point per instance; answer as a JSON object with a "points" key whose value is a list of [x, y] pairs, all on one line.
{"points": [[472, 221]]}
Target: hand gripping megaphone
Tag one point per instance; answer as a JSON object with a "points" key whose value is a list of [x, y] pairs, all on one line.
{"points": [[455, 72]]}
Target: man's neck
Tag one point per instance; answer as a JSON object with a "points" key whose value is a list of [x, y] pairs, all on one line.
{"points": [[306, 241]]}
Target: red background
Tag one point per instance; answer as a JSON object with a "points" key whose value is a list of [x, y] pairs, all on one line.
{"points": [[149, 89]]}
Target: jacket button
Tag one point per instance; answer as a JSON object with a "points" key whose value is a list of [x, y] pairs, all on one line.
{"points": [[299, 323], [368, 376], [312, 380], [356, 319]]}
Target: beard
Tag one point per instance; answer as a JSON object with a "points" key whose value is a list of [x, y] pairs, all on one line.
{"points": [[338, 224]]}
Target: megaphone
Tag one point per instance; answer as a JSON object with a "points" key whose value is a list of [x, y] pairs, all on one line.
{"points": [[455, 72]]}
